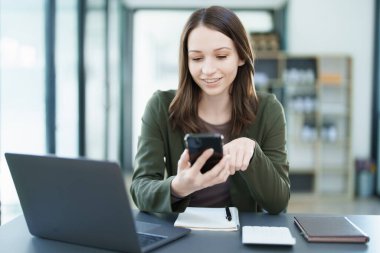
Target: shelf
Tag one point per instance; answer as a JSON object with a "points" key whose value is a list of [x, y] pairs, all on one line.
{"points": [[335, 114], [337, 143], [310, 85], [333, 170], [315, 91], [271, 83], [323, 84], [299, 141]]}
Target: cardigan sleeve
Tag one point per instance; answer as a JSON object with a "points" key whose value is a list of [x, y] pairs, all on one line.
{"points": [[150, 189], [267, 176]]}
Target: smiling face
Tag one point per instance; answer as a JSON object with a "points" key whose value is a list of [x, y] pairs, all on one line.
{"points": [[213, 61]]}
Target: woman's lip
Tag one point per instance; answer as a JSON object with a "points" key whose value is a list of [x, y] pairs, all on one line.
{"points": [[211, 80]]}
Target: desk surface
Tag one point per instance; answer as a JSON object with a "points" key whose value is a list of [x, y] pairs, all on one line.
{"points": [[14, 237]]}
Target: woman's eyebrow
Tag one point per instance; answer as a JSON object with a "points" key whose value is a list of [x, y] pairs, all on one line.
{"points": [[199, 51], [221, 48]]}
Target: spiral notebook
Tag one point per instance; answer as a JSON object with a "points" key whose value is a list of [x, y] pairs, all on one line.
{"points": [[204, 218]]}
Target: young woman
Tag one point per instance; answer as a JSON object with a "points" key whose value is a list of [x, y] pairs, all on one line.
{"points": [[215, 94]]}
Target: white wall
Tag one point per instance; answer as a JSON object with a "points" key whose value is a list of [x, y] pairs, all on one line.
{"points": [[340, 27]]}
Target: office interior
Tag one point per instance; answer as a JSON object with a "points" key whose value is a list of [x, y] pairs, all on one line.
{"points": [[75, 76]]}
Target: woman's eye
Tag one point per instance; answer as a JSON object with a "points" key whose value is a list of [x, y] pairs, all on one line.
{"points": [[196, 59], [221, 56]]}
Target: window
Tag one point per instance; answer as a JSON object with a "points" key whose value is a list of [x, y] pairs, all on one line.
{"points": [[22, 84], [66, 78]]}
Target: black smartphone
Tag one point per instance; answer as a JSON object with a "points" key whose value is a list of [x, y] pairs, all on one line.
{"points": [[198, 143]]}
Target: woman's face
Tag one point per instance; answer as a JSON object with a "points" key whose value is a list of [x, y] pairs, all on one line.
{"points": [[213, 60]]}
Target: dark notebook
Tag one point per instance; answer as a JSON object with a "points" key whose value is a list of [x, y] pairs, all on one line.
{"points": [[330, 229]]}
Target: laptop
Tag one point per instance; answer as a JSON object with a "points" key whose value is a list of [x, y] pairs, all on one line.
{"points": [[83, 202]]}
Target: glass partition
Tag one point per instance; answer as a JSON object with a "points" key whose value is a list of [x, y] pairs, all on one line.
{"points": [[22, 85], [66, 78]]}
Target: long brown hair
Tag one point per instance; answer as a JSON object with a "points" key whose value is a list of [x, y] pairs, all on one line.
{"points": [[183, 111]]}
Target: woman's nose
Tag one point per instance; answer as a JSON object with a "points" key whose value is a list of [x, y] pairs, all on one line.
{"points": [[208, 67]]}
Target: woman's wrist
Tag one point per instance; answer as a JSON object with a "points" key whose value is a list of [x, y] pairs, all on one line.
{"points": [[174, 189]]}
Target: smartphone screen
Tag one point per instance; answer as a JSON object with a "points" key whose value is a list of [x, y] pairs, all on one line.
{"points": [[198, 143]]}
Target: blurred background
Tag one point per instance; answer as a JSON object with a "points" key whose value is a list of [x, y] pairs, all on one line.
{"points": [[75, 76]]}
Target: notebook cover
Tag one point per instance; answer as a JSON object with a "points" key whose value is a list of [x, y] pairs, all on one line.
{"points": [[330, 229]]}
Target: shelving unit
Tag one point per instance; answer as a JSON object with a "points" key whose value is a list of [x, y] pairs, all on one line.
{"points": [[316, 94], [336, 168]]}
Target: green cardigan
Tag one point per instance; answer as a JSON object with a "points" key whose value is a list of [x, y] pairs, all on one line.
{"points": [[265, 183]]}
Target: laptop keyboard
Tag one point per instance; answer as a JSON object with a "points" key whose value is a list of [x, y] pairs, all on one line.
{"points": [[147, 239]]}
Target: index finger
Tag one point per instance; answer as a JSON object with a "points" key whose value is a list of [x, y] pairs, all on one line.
{"points": [[184, 160]]}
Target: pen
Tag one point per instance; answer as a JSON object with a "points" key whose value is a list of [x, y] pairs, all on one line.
{"points": [[228, 214]]}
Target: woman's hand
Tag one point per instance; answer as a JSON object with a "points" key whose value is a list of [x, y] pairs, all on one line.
{"points": [[240, 151], [190, 179]]}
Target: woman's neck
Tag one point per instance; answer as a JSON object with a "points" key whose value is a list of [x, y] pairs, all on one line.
{"points": [[215, 110]]}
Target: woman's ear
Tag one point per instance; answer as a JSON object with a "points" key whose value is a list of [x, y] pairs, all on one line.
{"points": [[241, 62]]}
